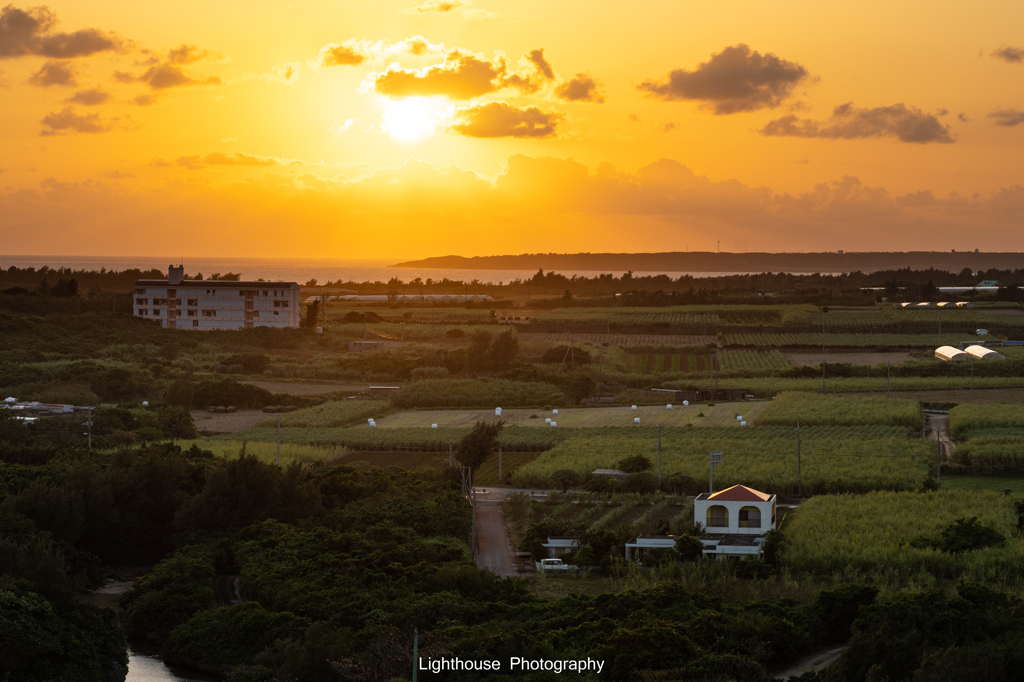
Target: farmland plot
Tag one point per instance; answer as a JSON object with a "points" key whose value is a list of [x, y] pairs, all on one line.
{"points": [[808, 339], [830, 410], [964, 419], [860, 359], [833, 459], [625, 340], [865, 533]]}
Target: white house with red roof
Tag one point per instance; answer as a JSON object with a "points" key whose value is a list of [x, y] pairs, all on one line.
{"points": [[736, 521]]}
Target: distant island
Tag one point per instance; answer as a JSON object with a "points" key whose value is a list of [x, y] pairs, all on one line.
{"points": [[706, 261]]}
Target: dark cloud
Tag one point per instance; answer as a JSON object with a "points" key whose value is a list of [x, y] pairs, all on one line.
{"points": [[164, 76], [54, 73], [1010, 55], [187, 54], [334, 54], [118, 175], [1007, 117], [441, 6], [582, 88], [963, 118], [498, 119], [146, 99], [669, 127], [67, 120], [736, 79], [90, 98], [542, 64], [197, 162], [463, 75], [848, 122], [30, 32]]}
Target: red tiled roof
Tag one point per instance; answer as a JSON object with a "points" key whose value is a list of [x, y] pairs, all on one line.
{"points": [[740, 493]]}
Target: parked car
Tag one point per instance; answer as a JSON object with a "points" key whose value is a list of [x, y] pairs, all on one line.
{"points": [[553, 565]]}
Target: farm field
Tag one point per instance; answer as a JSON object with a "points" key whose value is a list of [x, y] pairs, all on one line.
{"points": [[860, 359], [764, 386], [304, 388], [720, 415], [732, 361], [833, 459], [267, 451], [208, 423], [625, 340], [998, 484], [788, 314], [847, 340], [959, 395], [827, 410], [847, 533], [965, 420]]}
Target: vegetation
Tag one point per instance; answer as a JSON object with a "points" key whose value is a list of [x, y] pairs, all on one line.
{"points": [[819, 410], [966, 419], [477, 393]]}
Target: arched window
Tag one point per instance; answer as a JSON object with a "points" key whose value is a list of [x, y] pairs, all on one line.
{"points": [[750, 517], [718, 517]]}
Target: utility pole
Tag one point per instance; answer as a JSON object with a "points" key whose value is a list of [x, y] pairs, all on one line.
{"points": [[972, 384], [449, 453], [499, 459], [659, 456], [824, 309], [90, 426], [364, 326], [278, 440], [888, 379], [415, 651], [799, 471], [716, 458], [938, 447]]}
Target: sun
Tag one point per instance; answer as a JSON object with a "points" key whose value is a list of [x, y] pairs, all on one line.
{"points": [[411, 119]]}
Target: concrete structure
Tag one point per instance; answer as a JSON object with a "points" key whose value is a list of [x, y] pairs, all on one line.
{"points": [[611, 473], [950, 354], [178, 303], [562, 546], [402, 298], [982, 353], [384, 390], [736, 521], [639, 546]]}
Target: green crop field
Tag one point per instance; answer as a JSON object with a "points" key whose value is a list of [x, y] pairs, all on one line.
{"points": [[693, 315], [477, 393], [334, 413], [827, 410], [754, 361], [1015, 484], [846, 340], [230, 448], [967, 419], [764, 386], [873, 533], [992, 453], [833, 459]]}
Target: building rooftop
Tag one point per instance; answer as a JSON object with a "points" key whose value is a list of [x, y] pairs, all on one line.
{"points": [[740, 493], [213, 284]]}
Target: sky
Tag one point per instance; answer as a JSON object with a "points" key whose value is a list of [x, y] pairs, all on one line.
{"points": [[410, 129]]}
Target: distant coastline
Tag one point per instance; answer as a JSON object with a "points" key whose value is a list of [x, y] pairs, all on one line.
{"points": [[705, 261]]}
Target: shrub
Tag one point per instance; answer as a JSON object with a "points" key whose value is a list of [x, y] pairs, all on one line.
{"points": [[634, 464]]}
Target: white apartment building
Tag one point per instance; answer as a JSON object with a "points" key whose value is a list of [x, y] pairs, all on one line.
{"points": [[179, 303]]}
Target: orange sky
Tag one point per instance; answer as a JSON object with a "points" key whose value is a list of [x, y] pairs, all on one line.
{"points": [[409, 129]]}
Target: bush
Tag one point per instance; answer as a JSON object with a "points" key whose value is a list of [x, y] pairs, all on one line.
{"points": [[634, 464], [231, 635], [640, 483]]}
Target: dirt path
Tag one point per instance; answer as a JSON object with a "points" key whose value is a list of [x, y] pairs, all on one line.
{"points": [[816, 661], [494, 551], [935, 423]]}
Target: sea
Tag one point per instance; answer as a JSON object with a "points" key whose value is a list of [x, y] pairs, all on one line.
{"points": [[303, 270]]}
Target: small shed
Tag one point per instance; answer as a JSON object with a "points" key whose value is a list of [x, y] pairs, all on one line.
{"points": [[641, 544], [562, 546], [983, 353], [950, 354]]}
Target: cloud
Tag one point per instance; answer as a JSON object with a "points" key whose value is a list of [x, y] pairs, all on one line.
{"points": [[462, 75], [30, 32], [354, 52], [1007, 117], [920, 198], [541, 63], [197, 162], [963, 118], [146, 99], [118, 175], [669, 127], [340, 128], [734, 80], [54, 73], [90, 98], [67, 120], [441, 6], [498, 119], [1010, 55], [164, 76], [188, 54], [848, 122], [287, 73], [582, 88]]}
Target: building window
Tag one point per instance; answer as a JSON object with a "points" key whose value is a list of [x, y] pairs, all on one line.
{"points": [[191, 313], [195, 323], [280, 304], [750, 517], [142, 301], [140, 292], [143, 311], [241, 293], [209, 313], [209, 292], [256, 313], [159, 301], [718, 517], [265, 293], [193, 301]]}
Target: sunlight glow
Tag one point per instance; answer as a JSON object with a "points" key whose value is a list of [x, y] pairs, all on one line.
{"points": [[411, 119]]}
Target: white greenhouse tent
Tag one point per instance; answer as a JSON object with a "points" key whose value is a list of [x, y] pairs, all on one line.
{"points": [[983, 353], [950, 354]]}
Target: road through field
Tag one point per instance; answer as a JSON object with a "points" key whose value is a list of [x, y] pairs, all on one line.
{"points": [[494, 551]]}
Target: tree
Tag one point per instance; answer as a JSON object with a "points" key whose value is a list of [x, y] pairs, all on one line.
{"points": [[479, 357], [577, 386], [690, 547], [634, 464], [479, 444], [312, 313], [504, 350], [565, 479]]}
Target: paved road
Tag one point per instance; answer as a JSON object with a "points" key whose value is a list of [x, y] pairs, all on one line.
{"points": [[494, 551]]}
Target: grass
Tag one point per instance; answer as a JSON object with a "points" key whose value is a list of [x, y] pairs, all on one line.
{"points": [[267, 452], [580, 417], [964, 419], [869, 534], [772, 385], [827, 410], [333, 413], [979, 483], [833, 459]]}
